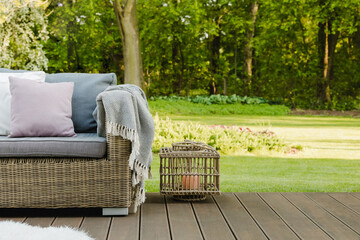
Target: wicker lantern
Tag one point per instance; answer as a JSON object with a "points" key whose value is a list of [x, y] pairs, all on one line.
{"points": [[189, 171]]}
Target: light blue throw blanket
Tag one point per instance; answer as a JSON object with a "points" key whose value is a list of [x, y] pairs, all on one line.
{"points": [[128, 116]]}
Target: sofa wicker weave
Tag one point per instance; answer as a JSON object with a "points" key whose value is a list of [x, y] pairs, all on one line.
{"points": [[68, 182]]}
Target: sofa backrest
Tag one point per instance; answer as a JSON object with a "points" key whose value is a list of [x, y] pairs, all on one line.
{"points": [[86, 87], [6, 70]]}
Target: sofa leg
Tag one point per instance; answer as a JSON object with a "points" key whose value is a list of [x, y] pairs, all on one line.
{"points": [[114, 211]]}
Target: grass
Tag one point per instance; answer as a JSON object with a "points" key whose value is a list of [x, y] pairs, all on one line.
{"points": [[329, 162], [274, 174], [271, 121]]}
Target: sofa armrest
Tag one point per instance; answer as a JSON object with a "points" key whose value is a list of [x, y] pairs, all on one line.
{"points": [[117, 147], [118, 150]]}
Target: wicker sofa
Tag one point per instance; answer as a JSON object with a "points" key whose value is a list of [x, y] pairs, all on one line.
{"points": [[42, 179]]}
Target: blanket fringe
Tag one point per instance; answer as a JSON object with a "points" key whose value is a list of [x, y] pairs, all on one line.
{"points": [[139, 197], [141, 173], [119, 130], [129, 134]]}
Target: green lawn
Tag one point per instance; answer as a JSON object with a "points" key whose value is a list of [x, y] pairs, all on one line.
{"points": [[329, 162], [273, 174]]}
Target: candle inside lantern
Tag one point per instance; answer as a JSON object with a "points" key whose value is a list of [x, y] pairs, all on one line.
{"points": [[190, 182]]}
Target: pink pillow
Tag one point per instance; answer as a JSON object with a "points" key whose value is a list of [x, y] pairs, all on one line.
{"points": [[40, 109]]}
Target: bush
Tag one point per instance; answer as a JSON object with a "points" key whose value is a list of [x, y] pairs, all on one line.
{"points": [[214, 99], [227, 140], [181, 106]]}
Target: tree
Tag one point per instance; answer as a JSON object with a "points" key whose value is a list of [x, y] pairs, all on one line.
{"points": [[188, 45], [248, 48], [337, 20], [126, 16], [84, 37], [174, 37], [22, 32], [328, 38]]}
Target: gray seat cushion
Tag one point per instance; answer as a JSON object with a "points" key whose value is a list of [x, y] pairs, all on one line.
{"points": [[86, 88], [83, 145]]}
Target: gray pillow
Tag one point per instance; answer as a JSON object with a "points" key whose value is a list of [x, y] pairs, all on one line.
{"points": [[6, 70], [87, 87]]}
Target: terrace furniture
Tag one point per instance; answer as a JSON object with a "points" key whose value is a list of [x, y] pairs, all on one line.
{"points": [[85, 171]]}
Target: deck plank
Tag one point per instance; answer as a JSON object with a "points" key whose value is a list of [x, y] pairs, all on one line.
{"points": [[270, 223], [14, 219], [298, 222], [211, 221], [96, 227], [337, 209], [40, 221], [356, 194], [182, 220], [228, 216], [154, 220], [125, 227], [348, 200], [323, 219], [73, 222], [239, 220]]}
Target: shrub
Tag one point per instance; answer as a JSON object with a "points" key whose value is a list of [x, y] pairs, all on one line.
{"points": [[227, 140], [171, 106], [214, 99]]}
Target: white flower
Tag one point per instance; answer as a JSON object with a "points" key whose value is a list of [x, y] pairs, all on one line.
{"points": [[20, 44]]}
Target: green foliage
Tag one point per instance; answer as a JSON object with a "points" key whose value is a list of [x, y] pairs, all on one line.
{"points": [[288, 47], [179, 106], [226, 140], [83, 37], [197, 46], [214, 99], [202, 47], [22, 31], [173, 37]]}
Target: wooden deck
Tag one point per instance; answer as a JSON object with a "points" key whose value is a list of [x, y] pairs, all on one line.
{"points": [[229, 216]]}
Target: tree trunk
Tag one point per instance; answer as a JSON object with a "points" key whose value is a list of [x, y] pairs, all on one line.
{"points": [[321, 50], [178, 63], [215, 48], [326, 64], [225, 86], [356, 38], [332, 41], [174, 62], [248, 49], [126, 16], [327, 45], [235, 56], [182, 65]]}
